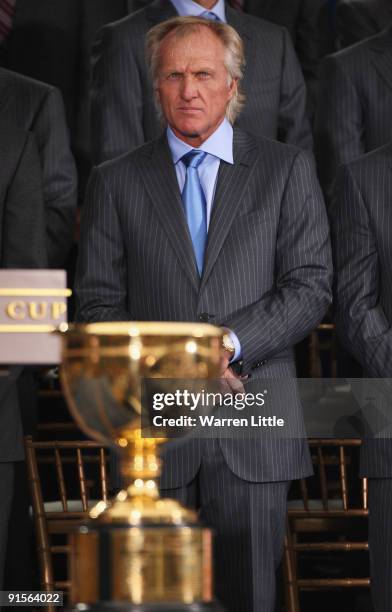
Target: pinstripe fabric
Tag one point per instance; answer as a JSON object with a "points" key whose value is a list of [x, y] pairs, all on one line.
{"points": [[308, 23], [354, 106], [360, 19], [362, 230], [266, 274], [123, 110], [380, 543], [363, 247], [248, 520], [38, 108]]}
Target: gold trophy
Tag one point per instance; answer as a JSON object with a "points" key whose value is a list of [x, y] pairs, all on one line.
{"points": [[138, 553]]}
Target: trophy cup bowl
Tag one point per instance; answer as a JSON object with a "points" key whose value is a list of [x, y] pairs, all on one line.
{"points": [[138, 552]]}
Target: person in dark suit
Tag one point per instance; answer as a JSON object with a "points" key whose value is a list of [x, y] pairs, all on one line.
{"points": [[362, 222], [354, 107], [123, 111], [37, 107], [309, 23], [22, 245], [242, 243], [93, 14], [360, 19]]}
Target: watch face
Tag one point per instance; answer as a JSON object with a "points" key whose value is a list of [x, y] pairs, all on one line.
{"points": [[228, 344]]}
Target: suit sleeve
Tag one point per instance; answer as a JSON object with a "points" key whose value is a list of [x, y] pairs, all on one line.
{"points": [[24, 243], [339, 122], [294, 126], [361, 322], [101, 273], [59, 177], [302, 290], [116, 98]]}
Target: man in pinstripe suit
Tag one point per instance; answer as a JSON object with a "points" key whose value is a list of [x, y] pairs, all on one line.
{"points": [[22, 245], [38, 107], [362, 230], [209, 223], [123, 112], [309, 24], [354, 106]]}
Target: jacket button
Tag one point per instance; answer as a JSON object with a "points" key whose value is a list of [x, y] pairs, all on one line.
{"points": [[204, 317], [258, 364]]}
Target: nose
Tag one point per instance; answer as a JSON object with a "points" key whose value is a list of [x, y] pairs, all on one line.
{"points": [[188, 88]]}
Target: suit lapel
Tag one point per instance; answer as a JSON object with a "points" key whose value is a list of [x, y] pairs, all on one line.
{"points": [[237, 21], [381, 47], [231, 184], [160, 180]]}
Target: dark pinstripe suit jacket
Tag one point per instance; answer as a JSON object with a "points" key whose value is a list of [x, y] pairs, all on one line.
{"points": [[354, 108], [38, 108], [123, 110], [22, 245], [360, 19], [266, 274], [362, 231], [308, 23]]}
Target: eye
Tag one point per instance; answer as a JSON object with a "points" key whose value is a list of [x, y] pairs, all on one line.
{"points": [[202, 74], [173, 76]]}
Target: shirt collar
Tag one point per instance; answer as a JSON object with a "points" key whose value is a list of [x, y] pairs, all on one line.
{"points": [[219, 144], [188, 8]]}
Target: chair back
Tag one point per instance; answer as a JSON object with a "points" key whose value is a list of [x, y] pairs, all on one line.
{"points": [[335, 489], [322, 522], [66, 478]]}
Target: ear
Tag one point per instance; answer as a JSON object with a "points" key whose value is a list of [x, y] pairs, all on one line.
{"points": [[233, 88]]}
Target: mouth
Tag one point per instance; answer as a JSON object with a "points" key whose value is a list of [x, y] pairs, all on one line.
{"points": [[187, 109]]}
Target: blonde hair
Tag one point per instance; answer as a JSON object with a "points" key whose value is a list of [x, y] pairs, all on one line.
{"points": [[181, 27]]}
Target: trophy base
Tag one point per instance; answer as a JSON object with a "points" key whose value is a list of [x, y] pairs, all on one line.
{"points": [[109, 606]]}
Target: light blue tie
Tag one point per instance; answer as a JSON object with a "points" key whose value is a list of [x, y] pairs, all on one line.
{"points": [[210, 15], [195, 204]]}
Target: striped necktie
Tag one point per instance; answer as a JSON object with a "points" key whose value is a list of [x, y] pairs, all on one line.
{"points": [[195, 205], [7, 10]]}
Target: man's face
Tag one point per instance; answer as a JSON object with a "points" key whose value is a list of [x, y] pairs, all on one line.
{"points": [[193, 85]]}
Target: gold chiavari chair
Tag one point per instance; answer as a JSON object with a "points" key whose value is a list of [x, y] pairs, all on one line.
{"points": [[325, 520], [66, 479]]}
